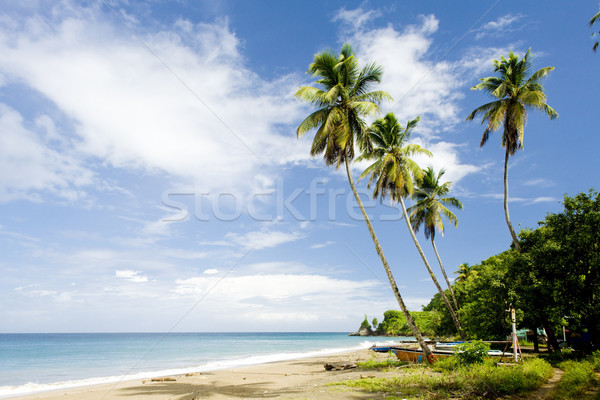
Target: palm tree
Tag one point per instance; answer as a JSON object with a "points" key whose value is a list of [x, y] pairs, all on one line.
{"points": [[393, 172], [428, 211], [464, 272], [342, 100], [595, 19], [516, 91]]}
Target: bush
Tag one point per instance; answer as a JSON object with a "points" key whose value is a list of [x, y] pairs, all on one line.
{"points": [[472, 352]]}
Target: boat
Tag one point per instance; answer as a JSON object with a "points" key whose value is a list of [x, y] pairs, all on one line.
{"points": [[418, 355], [447, 345], [410, 354]]}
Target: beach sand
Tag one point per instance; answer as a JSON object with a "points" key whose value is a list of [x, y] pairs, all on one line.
{"points": [[295, 379]]}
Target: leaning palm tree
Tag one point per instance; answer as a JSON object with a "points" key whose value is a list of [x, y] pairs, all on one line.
{"points": [[516, 91], [595, 19], [431, 204], [343, 99], [393, 171]]}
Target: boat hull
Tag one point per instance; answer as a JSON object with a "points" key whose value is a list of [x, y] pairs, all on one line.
{"points": [[418, 355]]}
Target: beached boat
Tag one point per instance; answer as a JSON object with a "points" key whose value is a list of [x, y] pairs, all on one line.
{"points": [[418, 355], [408, 354], [447, 345]]}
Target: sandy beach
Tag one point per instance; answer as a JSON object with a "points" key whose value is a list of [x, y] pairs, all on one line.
{"points": [[295, 379]]}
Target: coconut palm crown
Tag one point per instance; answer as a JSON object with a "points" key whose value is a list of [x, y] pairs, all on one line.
{"points": [[432, 203], [515, 91], [342, 100], [393, 171]]}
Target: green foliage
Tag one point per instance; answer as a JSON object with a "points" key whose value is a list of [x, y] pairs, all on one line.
{"points": [[557, 274], [343, 98], [471, 352], [394, 323], [484, 295], [365, 324], [374, 322], [515, 91], [470, 382]]}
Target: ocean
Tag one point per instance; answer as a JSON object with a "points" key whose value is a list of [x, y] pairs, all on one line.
{"points": [[36, 362]]}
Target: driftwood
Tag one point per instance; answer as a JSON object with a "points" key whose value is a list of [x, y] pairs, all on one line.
{"points": [[163, 379], [339, 366]]}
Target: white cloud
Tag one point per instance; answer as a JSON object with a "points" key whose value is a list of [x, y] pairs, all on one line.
{"points": [[501, 25], [28, 164], [262, 239], [271, 287], [180, 102], [211, 271], [132, 276], [445, 156], [541, 182], [321, 245], [418, 86], [356, 18], [421, 87]]}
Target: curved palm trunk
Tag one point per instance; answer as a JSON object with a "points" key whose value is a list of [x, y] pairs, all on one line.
{"points": [[510, 227], [444, 273], [388, 271], [433, 278]]}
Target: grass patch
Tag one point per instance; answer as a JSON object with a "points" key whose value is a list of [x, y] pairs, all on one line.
{"points": [[381, 365], [579, 379], [468, 382]]}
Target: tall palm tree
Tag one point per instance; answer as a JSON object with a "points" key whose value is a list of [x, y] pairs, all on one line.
{"points": [[431, 204], [393, 171], [516, 91], [595, 19], [343, 99]]}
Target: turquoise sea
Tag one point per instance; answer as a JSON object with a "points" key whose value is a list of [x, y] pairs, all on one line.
{"points": [[36, 362]]}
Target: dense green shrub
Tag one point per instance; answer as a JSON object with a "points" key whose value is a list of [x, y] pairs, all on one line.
{"points": [[471, 352]]}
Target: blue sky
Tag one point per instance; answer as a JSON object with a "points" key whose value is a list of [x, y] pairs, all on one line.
{"points": [[151, 179]]}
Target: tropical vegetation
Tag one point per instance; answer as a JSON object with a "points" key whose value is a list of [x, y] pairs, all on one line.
{"points": [[516, 91], [554, 282]]}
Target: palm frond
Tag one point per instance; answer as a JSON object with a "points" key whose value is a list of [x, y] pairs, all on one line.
{"points": [[312, 121], [594, 19]]}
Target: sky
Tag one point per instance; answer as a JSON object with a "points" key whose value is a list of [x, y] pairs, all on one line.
{"points": [[151, 178]]}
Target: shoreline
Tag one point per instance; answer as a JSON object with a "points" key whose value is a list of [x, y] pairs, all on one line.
{"points": [[94, 359], [297, 378]]}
